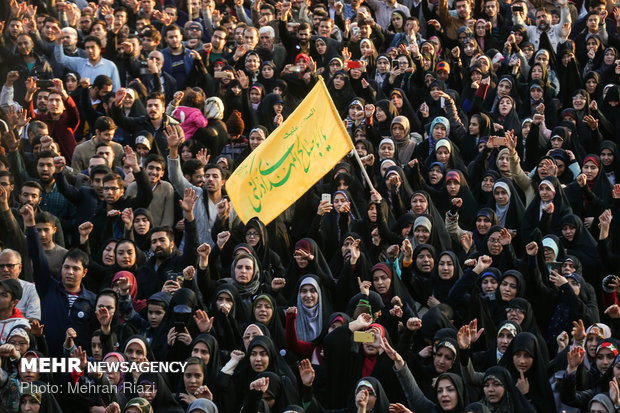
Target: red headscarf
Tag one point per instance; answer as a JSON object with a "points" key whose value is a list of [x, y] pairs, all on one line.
{"points": [[138, 305]]}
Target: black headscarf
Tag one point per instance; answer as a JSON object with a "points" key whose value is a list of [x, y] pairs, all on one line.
{"points": [[164, 400], [540, 390], [512, 401]]}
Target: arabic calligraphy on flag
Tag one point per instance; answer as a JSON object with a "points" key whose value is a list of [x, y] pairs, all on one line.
{"points": [[293, 158]]}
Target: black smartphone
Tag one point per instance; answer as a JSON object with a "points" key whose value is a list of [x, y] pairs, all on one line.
{"points": [[44, 84], [179, 326], [556, 266], [517, 8]]}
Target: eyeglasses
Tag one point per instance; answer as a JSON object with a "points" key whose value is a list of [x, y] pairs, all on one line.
{"points": [[252, 234], [194, 28], [516, 310], [9, 266], [494, 241]]}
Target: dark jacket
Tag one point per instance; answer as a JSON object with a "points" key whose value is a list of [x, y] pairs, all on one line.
{"points": [[55, 310]]}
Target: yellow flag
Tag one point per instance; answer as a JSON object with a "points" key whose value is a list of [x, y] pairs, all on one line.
{"points": [[293, 158]]}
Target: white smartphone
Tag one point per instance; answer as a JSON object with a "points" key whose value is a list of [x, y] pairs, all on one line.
{"points": [[326, 197]]}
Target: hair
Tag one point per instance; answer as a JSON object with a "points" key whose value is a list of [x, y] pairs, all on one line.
{"points": [[12, 252], [94, 40], [153, 34], [304, 26], [33, 184], [45, 154], [10, 175], [157, 95], [101, 144], [155, 157], [193, 98], [79, 256], [112, 176], [45, 218], [267, 29], [223, 29], [169, 232], [99, 169], [50, 19], [264, 6], [104, 123], [228, 19], [215, 166], [101, 81], [170, 28], [191, 166]]}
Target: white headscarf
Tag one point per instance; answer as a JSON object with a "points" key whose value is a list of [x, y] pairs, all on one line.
{"points": [[214, 108]]}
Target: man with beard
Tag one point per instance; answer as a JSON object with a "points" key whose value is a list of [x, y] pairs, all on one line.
{"points": [[62, 117], [211, 202], [294, 46], [164, 270], [155, 120], [543, 25], [107, 220]]}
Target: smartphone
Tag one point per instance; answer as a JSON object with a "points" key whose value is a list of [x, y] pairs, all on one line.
{"points": [[354, 64], [355, 30], [180, 279], [296, 69], [556, 266], [179, 326], [363, 337], [497, 141], [517, 8], [394, 64], [326, 197], [44, 84], [220, 75]]}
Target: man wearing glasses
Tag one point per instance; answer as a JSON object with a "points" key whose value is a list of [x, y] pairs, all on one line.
{"points": [[10, 268]]}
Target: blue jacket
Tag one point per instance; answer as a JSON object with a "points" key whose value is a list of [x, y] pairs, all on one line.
{"points": [[55, 312], [188, 60]]}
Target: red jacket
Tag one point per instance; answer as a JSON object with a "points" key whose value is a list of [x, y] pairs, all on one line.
{"points": [[63, 129]]}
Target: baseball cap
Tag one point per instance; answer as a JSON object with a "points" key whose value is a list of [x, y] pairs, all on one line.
{"points": [[443, 66]]}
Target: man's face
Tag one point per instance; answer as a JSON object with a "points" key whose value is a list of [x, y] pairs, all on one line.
{"points": [[105, 136], [45, 169], [490, 8], [155, 109], [112, 191], [93, 51], [6, 300], [149, 44], [193, 31], [213, 180], [463, 9], [173, 38], [10, 266], [543, 20], [55, 106], [365, 31], [266, 14], [46, 232], [593, 22], [85, 22], [121, 15], [102, 91], [72, 273], [30, 196], [24, 45], [218, 40], [325, 28], [48, 30], [107, 153], [5, 182], [97, 184], [15, 28], [250, 39], [197, 178], [69, 40], [42, 97], [155, 172], [161, 244], [266, 40], [303, 36]]}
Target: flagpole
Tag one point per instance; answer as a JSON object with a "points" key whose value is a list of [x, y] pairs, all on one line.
{"points": [[359, 161]]}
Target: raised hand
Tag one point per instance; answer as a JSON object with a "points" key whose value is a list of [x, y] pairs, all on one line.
{"points": [[306, 372], [575, 357], [127, 218], [203, 322], [414, 324], [364, 286], [531, 248], [131, 159], [523, 384], [188, 202], [579, 331], [399, 363]]}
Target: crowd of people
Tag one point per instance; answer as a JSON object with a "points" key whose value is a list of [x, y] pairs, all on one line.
{"points": [[468, 261]]}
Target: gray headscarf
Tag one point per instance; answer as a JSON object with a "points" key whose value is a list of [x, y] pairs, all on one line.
{"points": [[309, 322]]}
